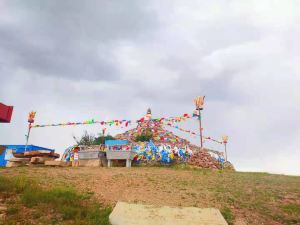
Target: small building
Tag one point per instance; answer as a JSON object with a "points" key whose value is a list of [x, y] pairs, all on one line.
{"points": [[7, 151]]}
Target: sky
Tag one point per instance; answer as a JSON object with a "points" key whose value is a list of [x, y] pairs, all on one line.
{"points": [[107, 59]]}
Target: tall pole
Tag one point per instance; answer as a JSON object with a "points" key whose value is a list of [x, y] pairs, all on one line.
{"points": [[199, 103], [225, 141], [225, 152], [103, 134], [31, 117], [27, 136], [200, 127]]}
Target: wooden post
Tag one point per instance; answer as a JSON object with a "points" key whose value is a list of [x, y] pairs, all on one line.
{"points": [[225, 141], [128, 163], [31, 117], [200, 127], [27, 136], [199, 102], [103, 134], [225, 152]]}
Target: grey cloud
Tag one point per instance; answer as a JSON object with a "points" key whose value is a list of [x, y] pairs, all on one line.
{"points": [[72, 60], [71, 39]]}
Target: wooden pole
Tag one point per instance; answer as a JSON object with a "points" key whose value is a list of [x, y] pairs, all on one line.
{"points": [[27, 136], [103, 134], [200, 127], [225, 151]]}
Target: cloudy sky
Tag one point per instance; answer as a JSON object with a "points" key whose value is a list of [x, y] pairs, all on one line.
{"points": [[77, 60]]}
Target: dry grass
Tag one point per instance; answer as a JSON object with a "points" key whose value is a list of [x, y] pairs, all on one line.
{"points": [[256, 198]]}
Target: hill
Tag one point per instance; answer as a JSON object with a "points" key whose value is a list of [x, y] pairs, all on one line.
{"points": [[243, 198]]}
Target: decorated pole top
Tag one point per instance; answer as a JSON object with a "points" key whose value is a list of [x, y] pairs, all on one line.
{"points": [[149, 114], [225, 139], [149, 111], [199, 102], [31, 117]]}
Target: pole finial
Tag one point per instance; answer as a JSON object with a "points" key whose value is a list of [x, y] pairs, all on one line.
{"points": [[199, 102], [225, 139], [31, 117]]}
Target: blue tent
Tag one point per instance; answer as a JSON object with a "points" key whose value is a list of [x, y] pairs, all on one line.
{"points": [[6, 152]]}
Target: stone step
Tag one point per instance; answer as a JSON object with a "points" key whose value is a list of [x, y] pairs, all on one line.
{"points": [[137, 214]]}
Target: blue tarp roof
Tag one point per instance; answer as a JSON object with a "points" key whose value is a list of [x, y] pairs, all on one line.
{"points": [[2, 160], [116, 142], [21, 148], [5, 155]]}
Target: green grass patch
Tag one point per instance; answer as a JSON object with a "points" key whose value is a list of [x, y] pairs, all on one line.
{"points": [[12, 210], [227, 214], [291, 209], [53, 204]]}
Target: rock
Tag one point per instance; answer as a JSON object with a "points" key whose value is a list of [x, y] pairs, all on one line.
{"points": [[203, 159], [239, 221], [23, 160], [2, 216], [14, 164], [3, 208], [228, 166]]}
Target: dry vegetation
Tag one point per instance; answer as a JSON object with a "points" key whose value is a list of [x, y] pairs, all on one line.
{"points": [[255, 198]]}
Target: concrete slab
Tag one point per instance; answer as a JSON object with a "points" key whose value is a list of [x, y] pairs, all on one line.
{"points": [[136, 214], [57, 163], [40, 160], [90, 162]]}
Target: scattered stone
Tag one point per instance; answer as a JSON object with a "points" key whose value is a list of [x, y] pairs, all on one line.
{"points": [[2, 216], [204, 160], [228, 166], [22, 160], [239, 221], [3, 208], [14, 164]]}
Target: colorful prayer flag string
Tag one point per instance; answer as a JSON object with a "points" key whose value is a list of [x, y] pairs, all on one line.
{"points": [[192, 132], [125, 123]]}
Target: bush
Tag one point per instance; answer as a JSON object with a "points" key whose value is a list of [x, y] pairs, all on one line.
{"points": [[101, 140], [146, 135], [89, 139]]}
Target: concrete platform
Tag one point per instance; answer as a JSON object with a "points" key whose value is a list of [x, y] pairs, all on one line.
{"points": [[136, 214]]}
